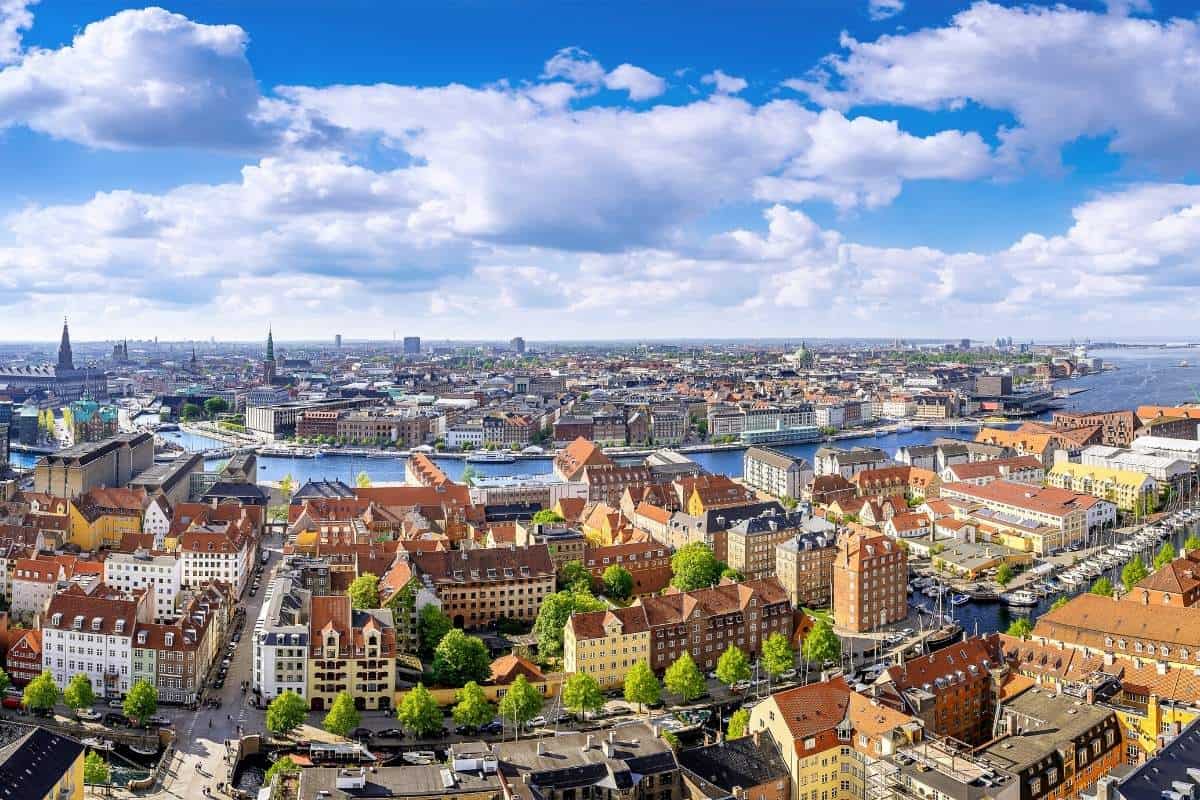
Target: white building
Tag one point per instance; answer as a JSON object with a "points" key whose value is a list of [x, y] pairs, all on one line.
{"points": [[461, 435], [1162, 468], [281, 640], [156, 521], [1185, 449], [92, 634], [775, 472], [221, 551], [160, 574], [34, 582]]}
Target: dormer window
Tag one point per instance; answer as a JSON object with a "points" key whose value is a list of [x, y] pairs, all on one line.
{"points": [[96, 623], [77, 623], [169, 639], [141, 637], [56, 620], [120, 625]]}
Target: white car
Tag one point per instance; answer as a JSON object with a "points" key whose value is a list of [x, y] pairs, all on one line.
{"points": [[89, 714], [536, 722], [740, 686]]}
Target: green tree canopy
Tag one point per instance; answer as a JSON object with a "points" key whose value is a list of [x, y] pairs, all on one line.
{"points": [[343, 717], [460, 658], [581, 693], [694, 567], [733, 666], [1059, 603], [432, 625], [364, 591], [1103, 586], [78, 693], [5, 681], [739, 724], [286, 713], [419, 712], [1005, 574], [1192, 542], [281, 766], [41, 693], [548, 516], [96, 769], [215, 405], [1020, 628], [141, 702], [363, 480], [473, 708], [520, 703], [671, 739], [777, 655], [1166, 554], [821, 644], [189, 412], [683, 678], [287, 486], [1133, 573], [618, 582], [574, 576], [731, 573], [641, 686], [552, 617]]}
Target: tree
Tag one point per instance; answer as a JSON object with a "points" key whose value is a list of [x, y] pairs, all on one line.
{"points": [[574, 576], [1103, 586], [282, 766], [548, 516], [473, 708], [96, 769], [1060, 602], [731, 573], [581, 693], [5, 681], [821, 644], [1133, 573], [343, 717], [78, 693], [364, 591], [552, 617], [671, 739], [520, 703], [1020, 628], [469, 475], [215, 405], [285, 713], [432, 625], [287, 486], [694, 567], [618, 582], [1005, 574], [1166, 554], [1192, 542], [733, 666], [739, 724], [363, 481], [189, 412], [41, 693], [777, 656], [419, 712], [683, 678], [641, 686], [141, 702], [460, 658]]}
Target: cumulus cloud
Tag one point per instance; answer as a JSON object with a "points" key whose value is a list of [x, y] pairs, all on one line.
{"points": [[15, 17], [884, 9], [1061, 72], [724, 84], [641, 84], [576, 66]]}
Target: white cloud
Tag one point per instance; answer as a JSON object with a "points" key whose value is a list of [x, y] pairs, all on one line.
{"points": [[641, 84], [15, 17], [884, 9], [724, 84], [1062, 73]]}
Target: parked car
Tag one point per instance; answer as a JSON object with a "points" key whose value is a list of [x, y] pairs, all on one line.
{"points": [[392, 733], [160, 720], [495, 726], [536, 722], [89, 714], [437, 734], [116, 703], [113, 718], [740, 686], [465, 730], [11, 702], [361, 733]]}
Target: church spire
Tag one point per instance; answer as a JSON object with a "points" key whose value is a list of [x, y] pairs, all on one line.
{"points": [[270, 345], [65, 360]]}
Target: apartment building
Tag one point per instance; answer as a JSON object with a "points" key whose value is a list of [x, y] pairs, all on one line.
{"points": [[161, 574], [1033, 519], [804, 567], [775, 472], [1018, 469], [350, 650], [605, 644], [1164, 469], [175, 657], [847, 463], [668, 426], [476, 586], [1118, 428], [649, 563], [1130, 491], [281, 639], [870, 582], [216, 544], [707, 621], [92, 634], [750, 545], [23, 661]]}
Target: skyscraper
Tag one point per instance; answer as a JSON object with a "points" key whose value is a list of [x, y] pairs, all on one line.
{"points": [[337, 341], [517, 345], [412, 345]]}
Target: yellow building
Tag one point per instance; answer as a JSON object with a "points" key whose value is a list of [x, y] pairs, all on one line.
{"points": [[605, 644], [1129, 490], [352, 650], [43, 766], [101, 517]]}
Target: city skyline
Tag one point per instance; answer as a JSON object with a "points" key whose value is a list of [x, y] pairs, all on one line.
{"points": [[838, 170]]}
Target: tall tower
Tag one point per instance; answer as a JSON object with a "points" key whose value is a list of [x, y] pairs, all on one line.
{"points": [[269, 361], [66, 362]]}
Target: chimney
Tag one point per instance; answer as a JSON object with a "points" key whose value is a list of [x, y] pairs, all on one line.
{"points": [[757, 736]]}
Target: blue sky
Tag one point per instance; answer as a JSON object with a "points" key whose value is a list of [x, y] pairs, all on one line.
{"points": [[861, 167]]}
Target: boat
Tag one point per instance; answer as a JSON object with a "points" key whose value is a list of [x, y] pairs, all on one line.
{"points": [[1183, 363], [380, 454], [960, 599], [491, 458], [97, 743], [904, 429], [419, 757], [143, 749], [1020, 597]]}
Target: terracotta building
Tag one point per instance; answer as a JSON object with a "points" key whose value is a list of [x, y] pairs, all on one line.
{"points": [[804, 566], [479, 586], [648, 562], [870, 581]]}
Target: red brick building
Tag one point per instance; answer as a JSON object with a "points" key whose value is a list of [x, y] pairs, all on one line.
{"points": [[648, 562], [24, 660], [870, 582]]}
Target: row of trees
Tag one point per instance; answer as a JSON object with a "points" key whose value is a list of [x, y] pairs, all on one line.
{"points": [[42, 695], [212, 407]]}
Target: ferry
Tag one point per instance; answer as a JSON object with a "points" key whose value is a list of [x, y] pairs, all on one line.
{"points": [[491, 458], [1020, 597]]}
